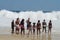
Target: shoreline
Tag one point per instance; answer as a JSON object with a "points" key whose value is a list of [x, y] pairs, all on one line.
{"points": [[7, 30], [42, 36], [5, 34]]}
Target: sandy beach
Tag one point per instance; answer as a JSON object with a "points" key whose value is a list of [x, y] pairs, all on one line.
{"points": [[30, 37], [5, 34]]}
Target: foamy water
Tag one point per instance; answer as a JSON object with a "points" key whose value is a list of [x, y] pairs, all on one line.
{"points": [[7, 16]]}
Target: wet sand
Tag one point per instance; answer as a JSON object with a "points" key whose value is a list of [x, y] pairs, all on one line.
{"points": [[23, 37], [6, 35], [43, 36]]}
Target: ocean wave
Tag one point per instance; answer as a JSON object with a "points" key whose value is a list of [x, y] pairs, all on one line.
{"points": [[7, 16]]}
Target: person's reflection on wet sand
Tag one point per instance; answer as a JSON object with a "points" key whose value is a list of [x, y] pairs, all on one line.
{"points": [[43, 36], [49, 36], [39, 37], [34, 37]]}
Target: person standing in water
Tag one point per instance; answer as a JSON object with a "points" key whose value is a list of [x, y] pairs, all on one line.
{"points": [[34, 26], [12, 26], [28, 22], [49, 26], [44, 25], [17, 25], [29, 28], [38, 27], [22, 26]]}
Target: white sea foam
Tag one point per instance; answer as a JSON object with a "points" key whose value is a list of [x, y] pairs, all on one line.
{"points": [[7, 16]]}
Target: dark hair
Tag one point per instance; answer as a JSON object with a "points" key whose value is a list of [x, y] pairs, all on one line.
{"points": [[12, 20], [29, 22], [22, 19], [34, 23], [17, 18], [50, 20], [22, 22], [44, 20], [38, 20]]}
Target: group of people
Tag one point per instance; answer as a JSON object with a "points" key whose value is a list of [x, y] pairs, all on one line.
{"points": [[31, 28]]}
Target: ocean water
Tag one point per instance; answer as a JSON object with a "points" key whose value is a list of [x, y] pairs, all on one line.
{"points": [[7, 16]]}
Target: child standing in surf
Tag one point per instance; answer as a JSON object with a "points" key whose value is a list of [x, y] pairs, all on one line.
{"points": [[29, 28], [34, 26]]}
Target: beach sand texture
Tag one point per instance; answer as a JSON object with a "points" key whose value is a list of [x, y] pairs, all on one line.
{"points": [[30, 37], [5, 34]]}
